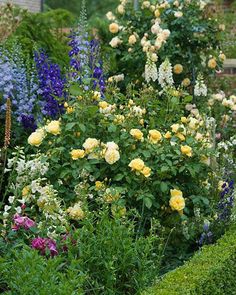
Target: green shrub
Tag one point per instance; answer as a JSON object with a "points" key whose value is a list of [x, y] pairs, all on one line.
{"points": [[26, 272], [105, 256], [210, 272]]}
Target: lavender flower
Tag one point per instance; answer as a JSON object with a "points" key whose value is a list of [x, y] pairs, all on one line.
{"points": [[51, 85], [85, 58], [17, 81], [225, 204], [206, 236]]}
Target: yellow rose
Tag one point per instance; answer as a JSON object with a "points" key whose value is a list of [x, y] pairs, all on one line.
{"points": [[103, 104], [178, 69], [137, 164], [222, 185], [177, 201], [154, 136], [53, 127], [114, 28], [97, 95], [146, 171], [157, 13], [112, 156], [222, 57], [137, 134], [132, 40], [76, 212], [212, 63], [193, 123], [121, 9], [175, 128], [99, 185], [180, 136], [25, 191], [184, 120], [168, 135], [77, 154], [186, 82], [35, 139], [186, 150], [70, 110], [90, 144]]}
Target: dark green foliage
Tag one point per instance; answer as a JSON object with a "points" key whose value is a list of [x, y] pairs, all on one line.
{"points": [[44, 31], [94, 7], [210, 272]]}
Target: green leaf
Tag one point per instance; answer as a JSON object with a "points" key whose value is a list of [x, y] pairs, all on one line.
{"points": [[75, 90], [70, 126], [164, 187], [112, 128], [147, 202], [92, 110], [82, 127], [119, 177]]}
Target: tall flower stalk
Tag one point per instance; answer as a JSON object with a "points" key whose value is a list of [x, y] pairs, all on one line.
{"points": [[85, 62], [51, 85]]}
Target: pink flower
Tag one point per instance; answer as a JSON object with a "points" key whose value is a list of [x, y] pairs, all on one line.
{"points": [[42, 244], [39, 244], [28, 223], [22, 222]]}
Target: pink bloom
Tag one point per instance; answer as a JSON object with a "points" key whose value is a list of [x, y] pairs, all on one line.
{"points": [[28, 223], [39, 244], [42, 244], [52, 246], [22, 221]]}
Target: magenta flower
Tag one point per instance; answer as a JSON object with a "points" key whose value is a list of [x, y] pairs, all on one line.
{"points": [[22, 222], [42, 244]]}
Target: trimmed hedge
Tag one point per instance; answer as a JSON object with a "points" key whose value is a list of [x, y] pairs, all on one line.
{"points": [[210, 272]]}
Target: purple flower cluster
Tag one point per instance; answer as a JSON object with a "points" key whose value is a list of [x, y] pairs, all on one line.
{"points": [[206, 236], [44, 244], [85, 61], [51, 85], [225, 204]]}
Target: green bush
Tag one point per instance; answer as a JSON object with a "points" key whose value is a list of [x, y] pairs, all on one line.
{"points": [[105, 256], [26, 272], [210, 272]]}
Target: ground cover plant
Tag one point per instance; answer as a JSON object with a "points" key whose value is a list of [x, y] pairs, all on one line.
{"points": [[113, 176]]}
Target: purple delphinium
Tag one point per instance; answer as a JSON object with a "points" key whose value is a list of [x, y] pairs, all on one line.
{"points": [[206, 236], [85, 60], [51, 85], [226, 202]]}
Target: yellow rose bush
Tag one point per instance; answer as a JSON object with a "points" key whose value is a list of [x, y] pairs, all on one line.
{"points": [[131, 163]]}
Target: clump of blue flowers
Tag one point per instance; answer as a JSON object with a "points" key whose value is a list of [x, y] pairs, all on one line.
{"points": [[51, 85], [226, 202], [85, 59], [18, 82], [206, 236]]}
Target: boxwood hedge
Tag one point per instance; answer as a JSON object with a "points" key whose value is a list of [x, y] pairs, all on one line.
{"points": [[212, 271]]}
